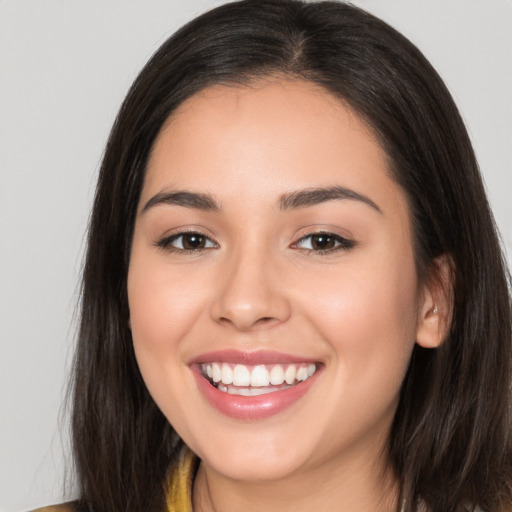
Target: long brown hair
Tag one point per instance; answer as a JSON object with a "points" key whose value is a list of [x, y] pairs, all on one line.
{"points": [[450, 441]]}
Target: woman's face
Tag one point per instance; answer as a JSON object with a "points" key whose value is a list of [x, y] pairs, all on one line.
{"points": [[273, 251]]}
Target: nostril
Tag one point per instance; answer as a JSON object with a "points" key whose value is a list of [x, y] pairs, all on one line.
{"points": [[266, 320], [249, 324]]}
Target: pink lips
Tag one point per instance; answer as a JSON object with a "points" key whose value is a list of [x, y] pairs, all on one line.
{"points": [[250, 407]]}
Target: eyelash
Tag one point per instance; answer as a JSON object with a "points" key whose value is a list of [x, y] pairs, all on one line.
{"points": [[340, 243], [166, 242]]}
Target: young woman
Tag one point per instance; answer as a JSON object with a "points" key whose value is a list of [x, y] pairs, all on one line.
{"points": [[293, 297]]}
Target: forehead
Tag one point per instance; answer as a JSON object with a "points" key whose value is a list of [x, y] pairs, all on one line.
{"points": [[267, 137], [290, 109]]}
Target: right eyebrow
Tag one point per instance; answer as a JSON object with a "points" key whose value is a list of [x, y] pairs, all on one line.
{"points": [[313, 196], [184, 198]]}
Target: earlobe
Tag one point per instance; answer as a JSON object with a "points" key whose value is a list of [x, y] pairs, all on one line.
{"points": [[435, 311], [430, 332]]}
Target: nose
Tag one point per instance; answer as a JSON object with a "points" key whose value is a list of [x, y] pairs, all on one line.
{"points": [[250, 294]]}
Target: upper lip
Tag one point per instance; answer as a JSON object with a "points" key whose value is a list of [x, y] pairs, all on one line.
{"points": [[249, 358]]}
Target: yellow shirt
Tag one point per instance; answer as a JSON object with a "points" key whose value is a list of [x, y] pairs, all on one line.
{"points": [[178, 487]]}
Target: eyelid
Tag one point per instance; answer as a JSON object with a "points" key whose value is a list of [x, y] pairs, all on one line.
{"points": [[165, 241], [344, 243]]}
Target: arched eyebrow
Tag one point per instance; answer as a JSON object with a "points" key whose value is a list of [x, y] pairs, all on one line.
{"points": [[184, 198], [291, 201], [313, 196]]}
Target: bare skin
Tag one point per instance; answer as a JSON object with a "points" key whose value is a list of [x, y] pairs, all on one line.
{"points": [[246, 267]]}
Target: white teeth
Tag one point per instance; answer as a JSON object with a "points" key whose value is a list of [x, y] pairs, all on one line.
{"points": [[289, 374], [227, 374], [260, 391], [260, 376], [302, 373], [233, 390], [240, 391], [216, 373], [241, 375], [277, 375], [256, 380]]}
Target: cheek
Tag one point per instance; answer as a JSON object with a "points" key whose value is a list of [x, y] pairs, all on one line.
{"points": [[368, 315], [163, 304]]}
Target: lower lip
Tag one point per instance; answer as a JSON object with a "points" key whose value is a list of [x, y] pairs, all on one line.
{"points": [[252, 407]]}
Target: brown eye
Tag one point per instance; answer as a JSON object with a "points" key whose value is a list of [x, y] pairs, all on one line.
{"points": [[324, 242], [193, 241], [186, 242]]}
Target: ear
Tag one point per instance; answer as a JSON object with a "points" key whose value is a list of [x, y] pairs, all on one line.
{"points": [[436, 303]]}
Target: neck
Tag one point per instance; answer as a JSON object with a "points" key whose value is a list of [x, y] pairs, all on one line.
{"points": [[351, 486]]}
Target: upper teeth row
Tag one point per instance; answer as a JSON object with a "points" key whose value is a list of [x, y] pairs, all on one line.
{"points": [[258, 376]]}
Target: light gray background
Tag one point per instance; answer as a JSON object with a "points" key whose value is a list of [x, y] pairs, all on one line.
{"points": [[65, 66]]}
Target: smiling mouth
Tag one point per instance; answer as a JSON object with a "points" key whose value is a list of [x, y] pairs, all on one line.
{"points": [[245, 380]]}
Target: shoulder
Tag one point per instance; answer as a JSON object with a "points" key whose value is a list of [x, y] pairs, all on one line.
{"points": [[64, 507]]}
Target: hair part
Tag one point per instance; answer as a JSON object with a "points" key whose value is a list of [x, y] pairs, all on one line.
{"points": [[450, 441]]}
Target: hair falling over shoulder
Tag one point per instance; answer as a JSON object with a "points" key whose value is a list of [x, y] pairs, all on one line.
{"points": [[450, 443]]}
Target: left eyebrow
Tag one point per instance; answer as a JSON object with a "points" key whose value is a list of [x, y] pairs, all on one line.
{"points": [[313, 196], [183, 198]]}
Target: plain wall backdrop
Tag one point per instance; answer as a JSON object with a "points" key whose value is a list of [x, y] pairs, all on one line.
{"points": [[65, 66]]}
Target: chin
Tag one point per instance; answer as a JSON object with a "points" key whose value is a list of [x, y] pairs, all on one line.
{"points": [[261, 467]]}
